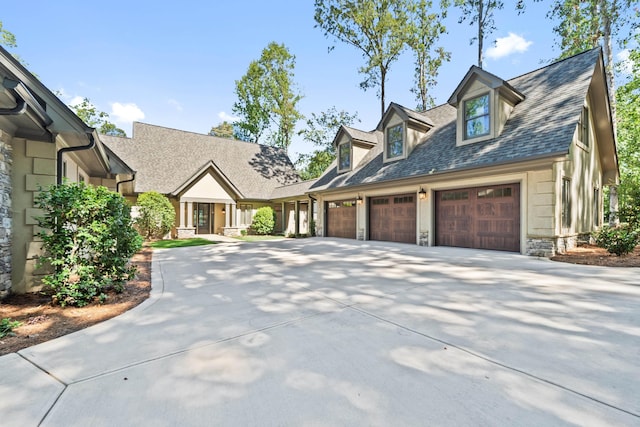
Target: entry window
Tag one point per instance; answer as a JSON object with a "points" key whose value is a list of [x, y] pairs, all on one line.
{"points": [[344, 156], [566, 203], [246, 214], [395, 143], [477, 117]]}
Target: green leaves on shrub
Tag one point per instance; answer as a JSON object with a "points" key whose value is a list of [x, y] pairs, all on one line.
{"points": [[619, 240], [264, 220], [7, 326], [157, 215], [88, 240]]}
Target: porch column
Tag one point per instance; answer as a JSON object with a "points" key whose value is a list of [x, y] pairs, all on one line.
{"points": [[190, 214], [182, 214], [297, 214], [283, 219], [234, 216], [227, 214]]}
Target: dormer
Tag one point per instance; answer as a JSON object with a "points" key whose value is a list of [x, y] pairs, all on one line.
{"points": [[402, 130], [351, 146], [484, 103]]}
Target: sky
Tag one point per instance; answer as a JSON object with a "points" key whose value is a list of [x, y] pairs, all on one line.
{"points": [[175, 64]]}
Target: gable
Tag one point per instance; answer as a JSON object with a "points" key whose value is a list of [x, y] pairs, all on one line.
{"points": [[207, 187]]}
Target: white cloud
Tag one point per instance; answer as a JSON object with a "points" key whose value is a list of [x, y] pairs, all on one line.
{"points": [[625, 65], [227, 117], [509, 45], [75, 100], [175, 104], [126, 113]]}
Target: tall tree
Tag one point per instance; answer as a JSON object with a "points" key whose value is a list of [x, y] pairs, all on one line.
{"points": [[320, 130], [253, 105], [585, 24], [480, 13], [268, 97], [96, 119], [223, 130], [424, 29], [376, 27]]}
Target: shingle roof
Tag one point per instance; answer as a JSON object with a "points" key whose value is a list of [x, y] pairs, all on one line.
{"points": [[292, 190], [372, 137], [167, 158], [541, 125]]}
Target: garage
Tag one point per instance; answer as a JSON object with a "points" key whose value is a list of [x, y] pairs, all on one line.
{"points": [[341, 219], [479, 217], [393, 218]]}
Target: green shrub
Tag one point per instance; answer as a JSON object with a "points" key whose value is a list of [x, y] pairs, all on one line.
{"points": [[312, 228], [264, 220], [243, 233], [619, 240], [88, 240], [7, 326], [156, 215]]}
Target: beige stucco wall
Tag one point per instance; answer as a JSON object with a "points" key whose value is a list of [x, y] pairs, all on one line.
{"points": [[207, 187]]}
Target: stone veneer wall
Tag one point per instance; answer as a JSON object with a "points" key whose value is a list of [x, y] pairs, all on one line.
{"points": [[5, 214]]}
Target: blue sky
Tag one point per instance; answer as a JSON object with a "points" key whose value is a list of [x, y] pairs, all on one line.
{"points": [[175, 64]]}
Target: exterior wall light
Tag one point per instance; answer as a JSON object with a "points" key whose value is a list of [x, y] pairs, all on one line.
{"points": [[422, 194], [359, 200]]}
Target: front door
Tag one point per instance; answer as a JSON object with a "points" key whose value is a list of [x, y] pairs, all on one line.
{"points": [[203, 218]]}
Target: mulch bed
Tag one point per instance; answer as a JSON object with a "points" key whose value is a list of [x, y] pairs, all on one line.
{"points": [[593, 255]]}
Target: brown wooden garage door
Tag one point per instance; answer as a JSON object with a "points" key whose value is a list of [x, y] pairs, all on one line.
{"points": [[393, 218], [480, 217], [341, 219]]}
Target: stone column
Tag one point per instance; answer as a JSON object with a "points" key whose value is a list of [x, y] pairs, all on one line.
{"points": [[613, 206]]}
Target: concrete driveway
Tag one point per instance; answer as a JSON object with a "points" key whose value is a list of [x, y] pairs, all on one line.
{"points": [[328, 332]]}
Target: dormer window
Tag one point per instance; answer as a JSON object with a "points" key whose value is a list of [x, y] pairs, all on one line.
{"points": [[344, 156], [394, 142], [477, 117]]}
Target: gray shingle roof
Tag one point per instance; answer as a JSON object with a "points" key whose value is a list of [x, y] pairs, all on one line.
{"points": [[292, 190], [372, 137], [167, 158], [541, 125]]}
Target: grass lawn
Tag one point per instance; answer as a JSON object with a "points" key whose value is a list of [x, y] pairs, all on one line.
{"points": [[181, 243], [255, 238]]}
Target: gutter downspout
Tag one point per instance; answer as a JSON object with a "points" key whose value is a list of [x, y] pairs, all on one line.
{"points": [[18, 110], [124, 182], [92, 143]]}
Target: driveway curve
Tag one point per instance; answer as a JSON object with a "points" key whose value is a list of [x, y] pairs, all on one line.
{"points": [[339, 332]]}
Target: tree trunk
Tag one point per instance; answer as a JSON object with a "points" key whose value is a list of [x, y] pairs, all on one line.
{"points": [[383, 78], [480, 32]]}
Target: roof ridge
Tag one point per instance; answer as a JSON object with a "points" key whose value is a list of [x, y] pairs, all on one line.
{"points": [[556, 62], [216, 138]]}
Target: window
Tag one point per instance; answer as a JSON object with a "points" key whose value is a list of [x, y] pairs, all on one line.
{"points": [[566, 203], [476, 117], [491, 193], [455, 195], [64, 169], [583, 126], [596, 207], [81, 178], [246, 214], [395, 146], [403, 199], [344, 156]]}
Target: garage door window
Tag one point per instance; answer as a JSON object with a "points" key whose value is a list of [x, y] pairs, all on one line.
{"points": [[455, 195], [491, 193], [404, 199]]}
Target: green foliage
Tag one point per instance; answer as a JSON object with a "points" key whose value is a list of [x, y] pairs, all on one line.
{"points": [[264, 220], [223, 130], [619, 240], [181, 243], [156, 215], [377, 28], [7, 326], [424, 29], [267, 98], [243, 233], [7, 39], [320, 130], [88, 239], [312, 228], [96, 119]]}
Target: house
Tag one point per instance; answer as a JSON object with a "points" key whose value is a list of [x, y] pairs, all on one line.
{"points": [[215, 184], [42, 142], [515, 165]]}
